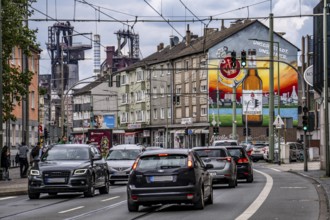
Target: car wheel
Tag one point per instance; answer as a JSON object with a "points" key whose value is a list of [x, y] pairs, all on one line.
{"points": [[105, 188], [52, 194], [112, 182], [200, 202], [131, 206], [250, 179], [210, 198], [232, 183], [91, 188], [34, 195]]}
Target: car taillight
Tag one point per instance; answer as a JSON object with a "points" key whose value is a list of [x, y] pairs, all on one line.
{"points": [[249, 152], [190, 196], [228, 159], [243, 160], [135, 164], [190, 162], [134, 197]]}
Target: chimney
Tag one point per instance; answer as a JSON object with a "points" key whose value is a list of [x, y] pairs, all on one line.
{"points": [[110, 51], [97, 55], [188, 36], [223, 25], [161, 46]]}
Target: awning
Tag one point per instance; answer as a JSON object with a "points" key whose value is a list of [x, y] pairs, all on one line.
{"points": [[177, 131], [200, 131], [119, 131]]}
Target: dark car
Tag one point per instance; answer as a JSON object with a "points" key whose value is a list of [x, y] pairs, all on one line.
{"points": [[244, 164], [225, 170], [169, 176], [69, 168]]}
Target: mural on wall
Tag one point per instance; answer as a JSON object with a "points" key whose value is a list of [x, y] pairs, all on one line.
{"points": [[251, 82]]}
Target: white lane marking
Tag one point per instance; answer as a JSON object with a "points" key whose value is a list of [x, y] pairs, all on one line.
{"points": [[293, 187], [275, 169], [96, 210], [259, 200], [104, 200], [9, 197], [70, 210]]}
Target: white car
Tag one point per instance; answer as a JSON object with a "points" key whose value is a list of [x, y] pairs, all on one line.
{"points": [[120, 160], [225, 143]]}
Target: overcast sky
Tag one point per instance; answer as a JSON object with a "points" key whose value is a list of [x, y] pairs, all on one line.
{"points": [[152, 31]]}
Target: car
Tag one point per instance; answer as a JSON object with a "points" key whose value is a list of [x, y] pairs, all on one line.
{"points": [[295, 151], [257, 152], [225, 143], [225, 169], [244, 163], [69, 168], [169, 176], [120, 160]]}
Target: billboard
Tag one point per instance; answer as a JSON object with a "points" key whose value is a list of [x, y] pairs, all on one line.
{"points": [[102, 138], [103, 121], [250, 85]]}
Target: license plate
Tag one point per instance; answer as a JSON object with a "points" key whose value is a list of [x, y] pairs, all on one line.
{"points": [[213, 174], [120, 174], [161, 178], [55, 180]]}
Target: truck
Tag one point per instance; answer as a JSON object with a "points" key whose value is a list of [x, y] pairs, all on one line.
{"points": [[102, 138]]}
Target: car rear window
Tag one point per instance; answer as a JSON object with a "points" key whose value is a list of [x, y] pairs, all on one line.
{"points": [[226, 144], [211, 153], [236, 152], [162, 162]]}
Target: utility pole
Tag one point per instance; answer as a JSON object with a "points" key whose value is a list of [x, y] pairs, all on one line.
{"points": [[62, 94], [325, 88], [1, 89], [271, 88], [25, 106]]}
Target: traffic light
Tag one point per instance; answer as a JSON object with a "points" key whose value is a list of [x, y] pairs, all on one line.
{"points": [[249, 131], [299, 109], [267, 132], [215, 130], [305, 122], [305, 109], [45, 133], [311, 121], [243, 58], [256, 103], [244, 131], [233, 59]]}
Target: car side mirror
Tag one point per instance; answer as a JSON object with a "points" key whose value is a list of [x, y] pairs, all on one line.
{"points": [[209, 166]]}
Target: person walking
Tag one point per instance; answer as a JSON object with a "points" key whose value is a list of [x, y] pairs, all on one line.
{"points": [[5, 162], [23, 159], [35, 153]]}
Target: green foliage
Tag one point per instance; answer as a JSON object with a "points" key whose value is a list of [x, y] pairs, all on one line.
{"points": [[15, 34]]}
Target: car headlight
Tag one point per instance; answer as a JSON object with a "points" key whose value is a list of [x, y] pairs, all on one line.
{"points": [[80, 172], [34, 172]]}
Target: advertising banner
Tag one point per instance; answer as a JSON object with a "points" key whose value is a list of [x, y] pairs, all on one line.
{"points": [[102, 138]]}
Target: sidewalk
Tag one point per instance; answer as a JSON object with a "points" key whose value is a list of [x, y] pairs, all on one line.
{"points": [[17, 185]]}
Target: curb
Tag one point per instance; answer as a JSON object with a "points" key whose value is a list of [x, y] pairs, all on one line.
{"points": [[13, 193], [322, 193]]}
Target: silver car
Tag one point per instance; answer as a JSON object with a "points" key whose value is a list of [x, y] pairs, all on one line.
{"points": [[224, 166], [120, 160]]}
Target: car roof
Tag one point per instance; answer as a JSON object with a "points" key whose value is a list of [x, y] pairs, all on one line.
{"points": [[126, 146], [210, 147], [72, 145], [165, 151], [234, 147]]}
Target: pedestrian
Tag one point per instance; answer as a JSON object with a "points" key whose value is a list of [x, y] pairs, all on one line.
{"points": [[5, 162], [63, 140], [35, 153], [23, 159]]}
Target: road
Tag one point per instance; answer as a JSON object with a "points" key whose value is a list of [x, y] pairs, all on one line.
{"points": [[273, 195]]}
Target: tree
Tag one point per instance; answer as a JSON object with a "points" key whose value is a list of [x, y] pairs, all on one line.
{"points": [[15, 34]]}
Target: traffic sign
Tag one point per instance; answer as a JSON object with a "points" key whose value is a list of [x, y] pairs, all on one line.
{"points": [[278, 122]]}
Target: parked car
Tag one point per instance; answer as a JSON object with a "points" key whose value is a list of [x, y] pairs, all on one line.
{"points": [[295, 151], [120, 160], [225, 143], [225, 169], [69, 168], [169, 176], [244, 164]]}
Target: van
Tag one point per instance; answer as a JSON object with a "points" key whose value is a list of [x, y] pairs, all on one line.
{"points": [[225, 143], [120, 160]]}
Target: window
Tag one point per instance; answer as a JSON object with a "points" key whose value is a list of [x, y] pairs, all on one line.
{"points": [[178, 90], [162, 91], [124, 79], [203, 110], [168, 90], [169, 113], [187, 88], [194, 87], [147, 115], [124, 98], [132, 117], [32, 100], [155, 113], [154, 92], [154, 72], [139, 116], [139, 96], [187, 108], [139, 76], [32, 64], [123, 117], [162, 113], [168, 68], [203, 88], [148, 94], [186, 65], [161, 70]]}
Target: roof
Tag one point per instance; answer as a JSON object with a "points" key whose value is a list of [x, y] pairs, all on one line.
{"points": [[126, 146], [87, 88], [166, 151]]}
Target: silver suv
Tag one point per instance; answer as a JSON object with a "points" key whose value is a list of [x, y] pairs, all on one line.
{"points": [[120, 160]]}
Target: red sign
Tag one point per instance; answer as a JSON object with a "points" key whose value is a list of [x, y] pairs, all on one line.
{"points": [[40, 128], [227, 70], [102, 138]]}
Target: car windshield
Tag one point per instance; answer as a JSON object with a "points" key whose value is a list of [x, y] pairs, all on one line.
{"points": [[225, 144], [156, 162], [211, 153], [64, 153], [125, 154]]}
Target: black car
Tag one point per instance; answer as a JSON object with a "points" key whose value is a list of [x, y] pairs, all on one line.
{"points": [[69, 168], [169, 176], [244, 163]]}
